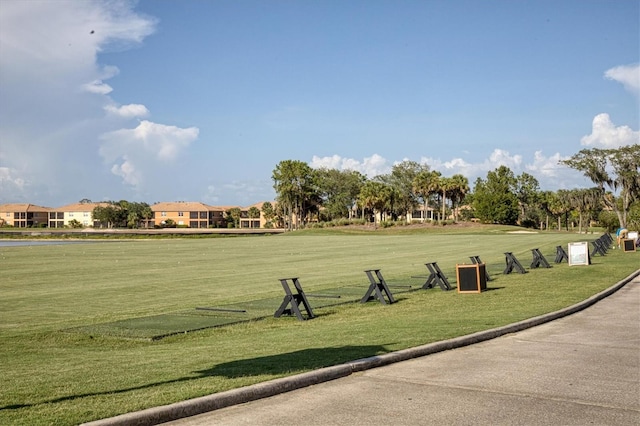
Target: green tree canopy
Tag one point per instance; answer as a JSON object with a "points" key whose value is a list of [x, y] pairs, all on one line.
{"points": [[615, 169], [295, 188], [338, 191], [401, 180], [233, 217], [494, 198], [375, 196], [253, 213], [527, 190]]}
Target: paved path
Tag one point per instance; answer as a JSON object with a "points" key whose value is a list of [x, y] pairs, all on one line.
{"points": [[581, 369]]}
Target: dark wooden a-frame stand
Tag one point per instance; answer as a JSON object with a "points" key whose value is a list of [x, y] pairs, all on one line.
{"points": [[294, 299], [476, 261], [512, 263], [436, 276], [561, 254], [599, 247], [538, 259], [378, 288]]}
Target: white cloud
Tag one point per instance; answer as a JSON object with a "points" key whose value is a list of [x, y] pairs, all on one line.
{"points": [[543, 167], [500, 157], [605, 134], [547, 170], [369, 166], [128, 172], [127, 111], [53, 92], [628, 75], [97, 87], [144, 146], [497, 158]]}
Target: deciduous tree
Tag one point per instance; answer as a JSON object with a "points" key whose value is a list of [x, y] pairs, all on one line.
{"points": [[615, 169], [494, 198]]}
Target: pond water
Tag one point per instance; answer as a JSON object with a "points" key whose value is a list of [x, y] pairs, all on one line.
{"points": [[19, 243]]}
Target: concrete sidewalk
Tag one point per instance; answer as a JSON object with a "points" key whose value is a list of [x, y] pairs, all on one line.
{"points": [[581, 366]]}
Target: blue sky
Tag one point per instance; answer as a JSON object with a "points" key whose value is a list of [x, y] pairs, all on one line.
{"points": [[167, 100]]}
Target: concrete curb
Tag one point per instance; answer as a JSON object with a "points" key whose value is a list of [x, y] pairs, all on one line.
{"points": [[192, 407]]}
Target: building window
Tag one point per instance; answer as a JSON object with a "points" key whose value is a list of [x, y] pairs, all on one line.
{"points": [[180, 214], [193, 215], [163, 214]]}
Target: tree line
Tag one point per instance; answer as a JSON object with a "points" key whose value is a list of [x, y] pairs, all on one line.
{"points": [[305, 195]]}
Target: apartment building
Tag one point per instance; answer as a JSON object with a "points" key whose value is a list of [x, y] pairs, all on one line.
{"points": [[188, 213], [60, 217], [199, 215], [23, 215], [183, 214]]}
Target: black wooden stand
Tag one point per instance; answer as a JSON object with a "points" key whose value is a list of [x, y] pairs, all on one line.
{"points": [[561, 254], [378, 288], [436, 276], [476, 261], [294, 299], [512, 263], [538, 259]]}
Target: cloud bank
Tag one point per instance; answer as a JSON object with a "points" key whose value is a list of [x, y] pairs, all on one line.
{"points": [[628, 75], [604, 134], [63, 132]]}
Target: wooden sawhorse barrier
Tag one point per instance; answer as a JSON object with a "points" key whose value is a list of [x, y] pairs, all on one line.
{"points": [[378, 288], [476, 261], [512, 263], [561, 255], [599, 247], [538, 259], [294, 299], [436, 276]]}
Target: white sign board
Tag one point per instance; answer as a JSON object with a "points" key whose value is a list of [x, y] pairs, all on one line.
{"points": [[578, 254], [633, 235]]}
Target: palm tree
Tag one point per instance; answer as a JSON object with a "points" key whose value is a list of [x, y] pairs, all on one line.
{"points": [[559, 205], [253, 213], [446, 186], [293, 182], [584, 202], [422, 187], [460, 189], [374, 196], [425, 185]]}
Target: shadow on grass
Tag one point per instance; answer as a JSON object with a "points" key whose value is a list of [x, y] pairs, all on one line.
{"points": [[306, 359], [279, 364]]}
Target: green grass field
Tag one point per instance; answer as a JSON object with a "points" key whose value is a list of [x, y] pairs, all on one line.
{"points": [[70, 315]]}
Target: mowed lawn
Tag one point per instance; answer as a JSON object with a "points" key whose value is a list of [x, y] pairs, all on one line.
{"points": [[52, 375]]}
